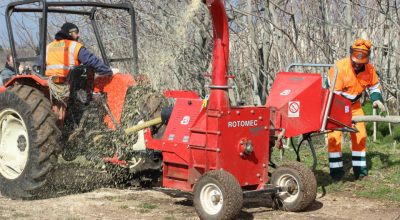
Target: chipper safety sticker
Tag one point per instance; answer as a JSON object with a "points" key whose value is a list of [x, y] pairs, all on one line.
{"points": [[294, 109]]}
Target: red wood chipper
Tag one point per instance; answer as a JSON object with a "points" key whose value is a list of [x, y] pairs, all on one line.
{"points": [[218, 151], [222, 152]]}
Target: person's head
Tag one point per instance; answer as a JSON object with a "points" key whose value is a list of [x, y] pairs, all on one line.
{"points": [[359, 53], [10, 60], [71, 29]]}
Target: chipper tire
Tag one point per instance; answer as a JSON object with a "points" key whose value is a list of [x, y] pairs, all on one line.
{"points": [[301, 184], [218, 195], [28, 141]]}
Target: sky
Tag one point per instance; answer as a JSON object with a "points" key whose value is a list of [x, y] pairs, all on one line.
{"points": [[3, 29], [16, 16]]}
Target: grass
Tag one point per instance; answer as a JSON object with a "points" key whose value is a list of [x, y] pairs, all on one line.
{"points": [[74, 218], [147, 207], [123, 206], [113, 198], [383, 161], [20, 215]]}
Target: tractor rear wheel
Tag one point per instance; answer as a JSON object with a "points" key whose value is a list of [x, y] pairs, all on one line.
{"points": [[300, 184], [218, 195], [28, 141]]}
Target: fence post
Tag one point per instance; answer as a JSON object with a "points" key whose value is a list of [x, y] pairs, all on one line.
{"points": [[374, 127]]}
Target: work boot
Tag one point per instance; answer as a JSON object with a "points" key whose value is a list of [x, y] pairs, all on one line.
{"points": [[337, 173], [360, 172], [337, 179]]}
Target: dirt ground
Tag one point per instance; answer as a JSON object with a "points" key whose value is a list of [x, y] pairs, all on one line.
{"points": [[77, 193]]}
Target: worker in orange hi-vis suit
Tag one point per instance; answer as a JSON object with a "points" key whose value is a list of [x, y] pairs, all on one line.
{"points": [[355, 74]]}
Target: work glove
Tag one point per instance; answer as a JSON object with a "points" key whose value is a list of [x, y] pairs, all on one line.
{"points": [[379, 104]]}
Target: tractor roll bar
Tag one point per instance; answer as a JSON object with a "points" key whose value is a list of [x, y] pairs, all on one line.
{"points": [[330, 97], [12, 7]]}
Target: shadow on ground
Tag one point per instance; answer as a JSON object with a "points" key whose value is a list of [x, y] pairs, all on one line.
{"points": [[261, 203]]}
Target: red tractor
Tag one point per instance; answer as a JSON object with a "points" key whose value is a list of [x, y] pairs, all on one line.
{"points": [[33, 131]]}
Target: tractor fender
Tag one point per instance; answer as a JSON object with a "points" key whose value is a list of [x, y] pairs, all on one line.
{"points": [[115, 87], [34, 81]]}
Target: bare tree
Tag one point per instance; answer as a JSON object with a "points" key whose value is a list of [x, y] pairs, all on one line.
{"points": [[175, 40]]}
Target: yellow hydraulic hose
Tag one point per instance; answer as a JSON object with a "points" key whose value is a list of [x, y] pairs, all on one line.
{"points": [[135, 128], [144, 125]]}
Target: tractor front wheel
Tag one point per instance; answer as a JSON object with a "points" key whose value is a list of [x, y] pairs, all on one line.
{"points": [[218, 195], [28, 141], [299, 187]]}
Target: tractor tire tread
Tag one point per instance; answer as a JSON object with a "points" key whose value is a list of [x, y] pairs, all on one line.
{"points": [[44, 135]]}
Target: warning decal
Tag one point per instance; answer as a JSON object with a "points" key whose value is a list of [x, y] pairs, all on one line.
{"points": [[294, 109]]}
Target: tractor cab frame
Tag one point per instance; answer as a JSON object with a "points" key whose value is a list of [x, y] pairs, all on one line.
{"points": [[45, 7]]}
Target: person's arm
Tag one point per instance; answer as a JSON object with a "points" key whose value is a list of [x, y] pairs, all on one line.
{"points": [[339, 82], [90, 60], [6, 75], [374, 91], [375, 88]]}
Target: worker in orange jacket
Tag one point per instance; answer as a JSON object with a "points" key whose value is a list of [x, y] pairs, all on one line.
{"points": [[355, 74], [65, 52]]}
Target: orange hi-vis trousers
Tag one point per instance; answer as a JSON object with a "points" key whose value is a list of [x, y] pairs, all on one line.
{"points": [[358, 147]]}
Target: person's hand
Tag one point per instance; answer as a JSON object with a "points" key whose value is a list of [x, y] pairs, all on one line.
{"points": [[115, 70], [379, 104], [102, 76]]}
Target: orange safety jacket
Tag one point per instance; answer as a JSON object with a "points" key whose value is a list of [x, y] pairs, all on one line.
{"points": [[351, 85], [61, 56]]}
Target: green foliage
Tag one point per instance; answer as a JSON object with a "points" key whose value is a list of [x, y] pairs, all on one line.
{"points": [[396, 133], [367, 108]]}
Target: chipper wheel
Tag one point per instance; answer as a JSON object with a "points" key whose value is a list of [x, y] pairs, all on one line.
{"points": [[300, 187], [218, 195], [28, 141]]}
